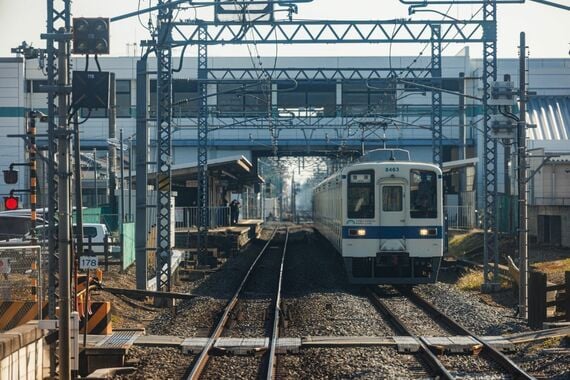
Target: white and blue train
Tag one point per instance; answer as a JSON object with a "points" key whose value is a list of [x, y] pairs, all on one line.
{"points": [[384, 215]]}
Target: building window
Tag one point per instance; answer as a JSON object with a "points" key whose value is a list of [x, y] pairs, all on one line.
{"points": [[307, 99], [247, 98], [376, 98], [35, 86], [184, 91], [122, 98]]}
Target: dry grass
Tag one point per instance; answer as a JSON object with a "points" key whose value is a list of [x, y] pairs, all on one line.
{"points": [[554, 269], [473, 280], [462, 243], [551, 267]]}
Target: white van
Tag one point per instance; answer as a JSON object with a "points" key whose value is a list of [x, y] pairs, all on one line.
{"points": [[95, 232]]}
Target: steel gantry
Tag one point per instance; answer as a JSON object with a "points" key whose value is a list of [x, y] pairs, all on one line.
{"points": [[164, 140], [203, 214], [436, 101], [58, 29], [491, 242], [202, 33]]}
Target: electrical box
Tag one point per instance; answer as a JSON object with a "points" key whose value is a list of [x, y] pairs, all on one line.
{"points": [[502, 94], [503, 127], [90, 89]]}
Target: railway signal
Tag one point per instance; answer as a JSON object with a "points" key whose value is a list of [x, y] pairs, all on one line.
{"points": [[11, 176], [91, 35], [11, 202]]}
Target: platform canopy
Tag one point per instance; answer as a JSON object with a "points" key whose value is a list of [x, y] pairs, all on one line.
{"points": [[236, 168]]}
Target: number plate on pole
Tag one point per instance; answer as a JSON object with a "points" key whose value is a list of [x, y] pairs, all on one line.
{"points": [[88, 262]]}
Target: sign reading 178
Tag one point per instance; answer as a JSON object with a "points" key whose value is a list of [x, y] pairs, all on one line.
{"points": [[88, 262]]}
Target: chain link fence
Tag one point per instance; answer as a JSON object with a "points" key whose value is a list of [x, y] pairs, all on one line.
{"points": [[21, 273]]}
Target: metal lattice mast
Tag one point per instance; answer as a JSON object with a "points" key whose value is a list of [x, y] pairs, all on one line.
{"points": [[164, 141], [491, 243], [202, 144], [436, 101], [58, 16]]}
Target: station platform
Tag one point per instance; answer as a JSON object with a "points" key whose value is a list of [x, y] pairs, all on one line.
{"points": [[223, 242]]}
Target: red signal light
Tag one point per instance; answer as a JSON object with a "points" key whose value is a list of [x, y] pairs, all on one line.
{"points": [[11, 202]]}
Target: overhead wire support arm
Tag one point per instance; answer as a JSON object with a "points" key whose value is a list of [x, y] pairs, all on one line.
{"points": [[328, 31], [424, 3], [175, 3]]}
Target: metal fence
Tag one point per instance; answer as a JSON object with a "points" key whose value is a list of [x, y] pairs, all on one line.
{"points": [[460, 217], [21, 274], [187, 217]]}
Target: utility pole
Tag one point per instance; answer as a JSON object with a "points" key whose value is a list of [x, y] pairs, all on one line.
{"points": [[522, 183], [130, 188], [122, 168], [78, 187], [64, 216], [112, 149], [95, 190], [33, 175]]}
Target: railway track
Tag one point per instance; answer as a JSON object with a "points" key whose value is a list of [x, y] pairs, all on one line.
{"points": [[243, 316], [490, 363]]}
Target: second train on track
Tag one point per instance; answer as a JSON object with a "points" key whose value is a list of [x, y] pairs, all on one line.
{"points": [[384, 215]]}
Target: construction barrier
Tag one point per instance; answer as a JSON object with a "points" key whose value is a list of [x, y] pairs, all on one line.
{"points": [[16, 313], [99, 321]]}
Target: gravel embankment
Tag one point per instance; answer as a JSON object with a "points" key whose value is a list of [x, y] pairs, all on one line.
{"points": [[467, 309], [196, 317], [254, 319], [319, 301]]}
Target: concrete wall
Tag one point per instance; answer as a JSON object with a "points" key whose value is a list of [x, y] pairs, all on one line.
{"points": [[21, 353], [564, 212]]}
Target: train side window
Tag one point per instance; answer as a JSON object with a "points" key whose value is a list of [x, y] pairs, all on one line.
{"points": [[423, 194], [392, 198], [360, 194]]}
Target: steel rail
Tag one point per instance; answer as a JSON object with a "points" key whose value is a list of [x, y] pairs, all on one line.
{"points": [[202, 360], [430, 359], [272, 362], [488, 350]]}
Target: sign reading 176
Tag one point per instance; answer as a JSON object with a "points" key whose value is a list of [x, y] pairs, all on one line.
{"points": [[88, 262]]}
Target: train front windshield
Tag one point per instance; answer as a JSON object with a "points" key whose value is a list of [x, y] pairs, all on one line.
{"points": [[423, 194], [360, 199]]}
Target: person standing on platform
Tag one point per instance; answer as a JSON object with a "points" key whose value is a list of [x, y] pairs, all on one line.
{"points": [[234, 211]]}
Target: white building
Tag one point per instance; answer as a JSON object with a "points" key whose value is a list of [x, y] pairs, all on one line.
{"points": [[315, 116]]}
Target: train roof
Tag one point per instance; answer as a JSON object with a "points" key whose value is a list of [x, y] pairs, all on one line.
{"points": [[379, 155]]}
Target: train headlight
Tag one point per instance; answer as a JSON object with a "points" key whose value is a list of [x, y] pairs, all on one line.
{"points": [[357, 232], [428, 232]]}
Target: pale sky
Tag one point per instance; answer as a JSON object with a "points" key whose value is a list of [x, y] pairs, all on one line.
{"points": [[547, 29]]}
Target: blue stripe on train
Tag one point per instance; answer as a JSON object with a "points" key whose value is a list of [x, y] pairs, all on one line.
{"points": [[392, 232]]}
